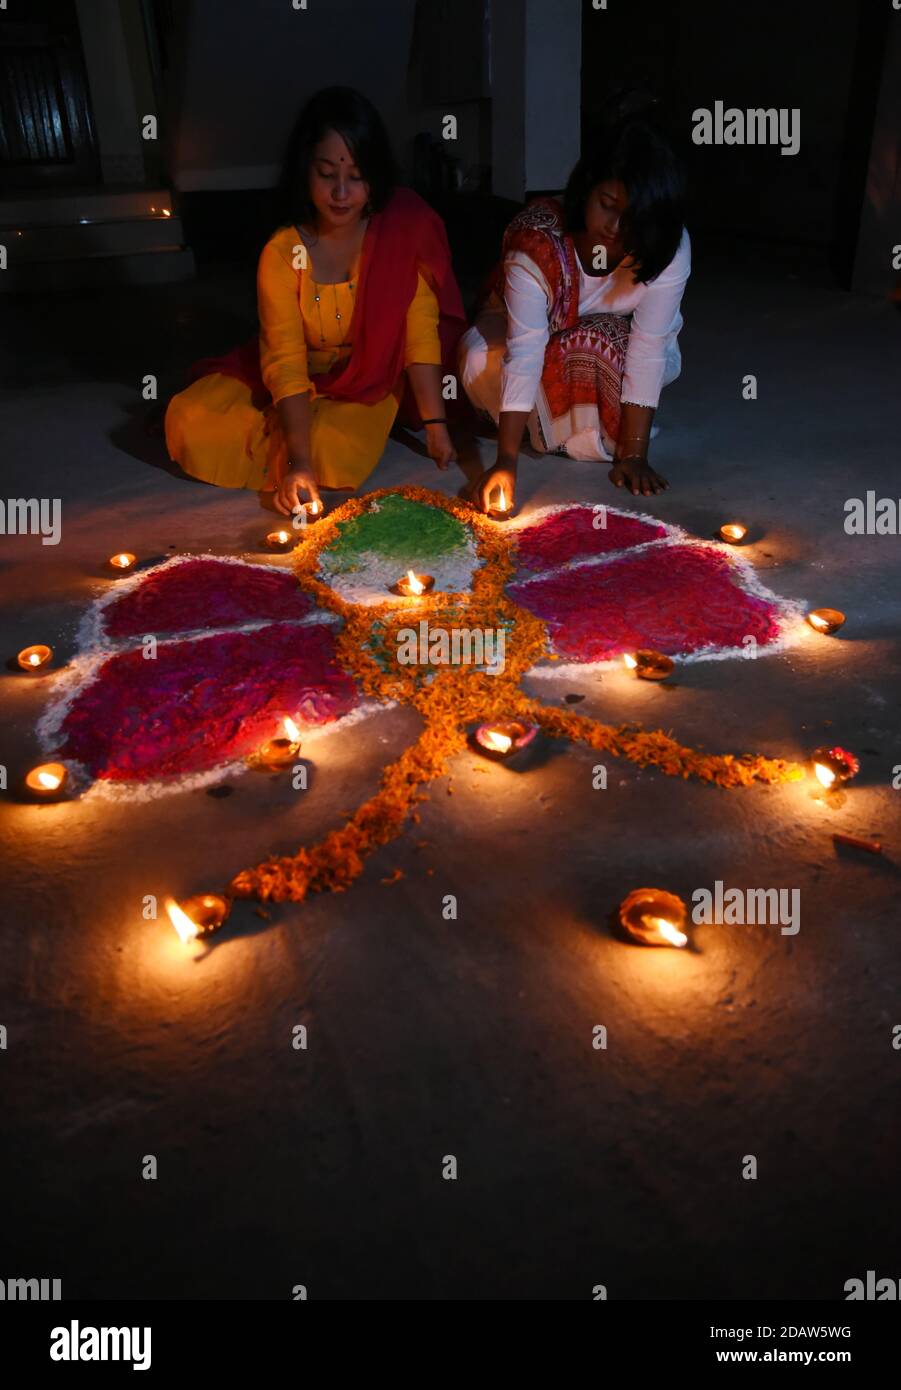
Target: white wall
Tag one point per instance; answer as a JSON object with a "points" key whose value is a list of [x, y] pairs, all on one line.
{"points": [[553, 88], [536, 57], [249, 67]]}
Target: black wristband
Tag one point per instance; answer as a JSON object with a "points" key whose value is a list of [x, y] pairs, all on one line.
{"points": [[435, 422]]}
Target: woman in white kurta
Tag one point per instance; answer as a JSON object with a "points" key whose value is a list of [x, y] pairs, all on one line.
{"points": [[577, 332]]}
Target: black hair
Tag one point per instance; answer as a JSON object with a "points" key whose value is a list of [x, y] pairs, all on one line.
{"points": [[633, 149], [361, 128]]}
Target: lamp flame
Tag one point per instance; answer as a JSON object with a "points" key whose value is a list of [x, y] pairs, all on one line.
{"points": [[50, 780], [291, 729], [182, 923], [824, 774], [416, 585], [497, 741], [672, 935], [629, 660]]}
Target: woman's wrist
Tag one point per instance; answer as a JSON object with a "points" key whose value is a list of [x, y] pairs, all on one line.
{"points": [[505, 460]]}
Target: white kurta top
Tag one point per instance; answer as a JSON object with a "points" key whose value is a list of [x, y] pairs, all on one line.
{"points": [[656, 320]]}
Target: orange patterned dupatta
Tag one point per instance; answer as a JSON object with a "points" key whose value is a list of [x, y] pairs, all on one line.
{"points": [[584, 359]]}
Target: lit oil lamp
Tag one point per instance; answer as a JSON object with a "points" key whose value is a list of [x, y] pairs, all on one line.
{"points": [[200, 915], [280, 540], [34, 658], [504, 739], [279, 753], [413, 585], [654, 917], [124, 560], [832, 766], [649, 665], [825, 620], [503, 509], [733, 532], [306, 513], [47, 781]]}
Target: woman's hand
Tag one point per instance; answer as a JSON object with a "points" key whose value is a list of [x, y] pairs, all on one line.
{"points": [[502, 475], [440, 446], [287, 498], [638, 476]]}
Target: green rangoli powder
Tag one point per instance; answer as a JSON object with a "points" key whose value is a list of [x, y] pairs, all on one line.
{"points": [[400, 530]]}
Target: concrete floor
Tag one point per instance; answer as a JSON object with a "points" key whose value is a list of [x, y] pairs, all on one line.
{"points": [[428, 1038]]}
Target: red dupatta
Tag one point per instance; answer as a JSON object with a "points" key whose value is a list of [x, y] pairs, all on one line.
{"points": [[405, 238]]}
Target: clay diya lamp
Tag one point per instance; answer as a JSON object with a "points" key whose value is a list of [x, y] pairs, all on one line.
{"points": [[199, 915], [278, 753], [825, 620], [733, 532], [122, 562], [47, 781], [502, 510], [833, 766], [413, 585], [35, 658], [654, 917], [280, 540], [504, 738], [649, 665]]}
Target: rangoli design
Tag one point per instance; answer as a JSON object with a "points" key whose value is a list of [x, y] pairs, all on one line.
{"points": [[238, 646]]}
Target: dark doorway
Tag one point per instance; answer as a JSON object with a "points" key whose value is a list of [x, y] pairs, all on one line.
{"points": [[827, 63], [46, 130]]}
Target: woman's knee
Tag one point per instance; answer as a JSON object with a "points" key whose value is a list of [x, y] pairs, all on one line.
{"points": [[471, 356], [480, 365]]}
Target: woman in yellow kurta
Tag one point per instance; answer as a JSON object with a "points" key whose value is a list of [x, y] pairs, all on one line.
{"points": [[350, 296]]}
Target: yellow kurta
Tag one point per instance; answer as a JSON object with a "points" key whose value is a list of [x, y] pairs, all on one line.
{"points": [[214, 431]]}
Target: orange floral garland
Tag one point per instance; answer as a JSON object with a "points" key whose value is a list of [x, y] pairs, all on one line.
{"points": [[452, 699]]}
